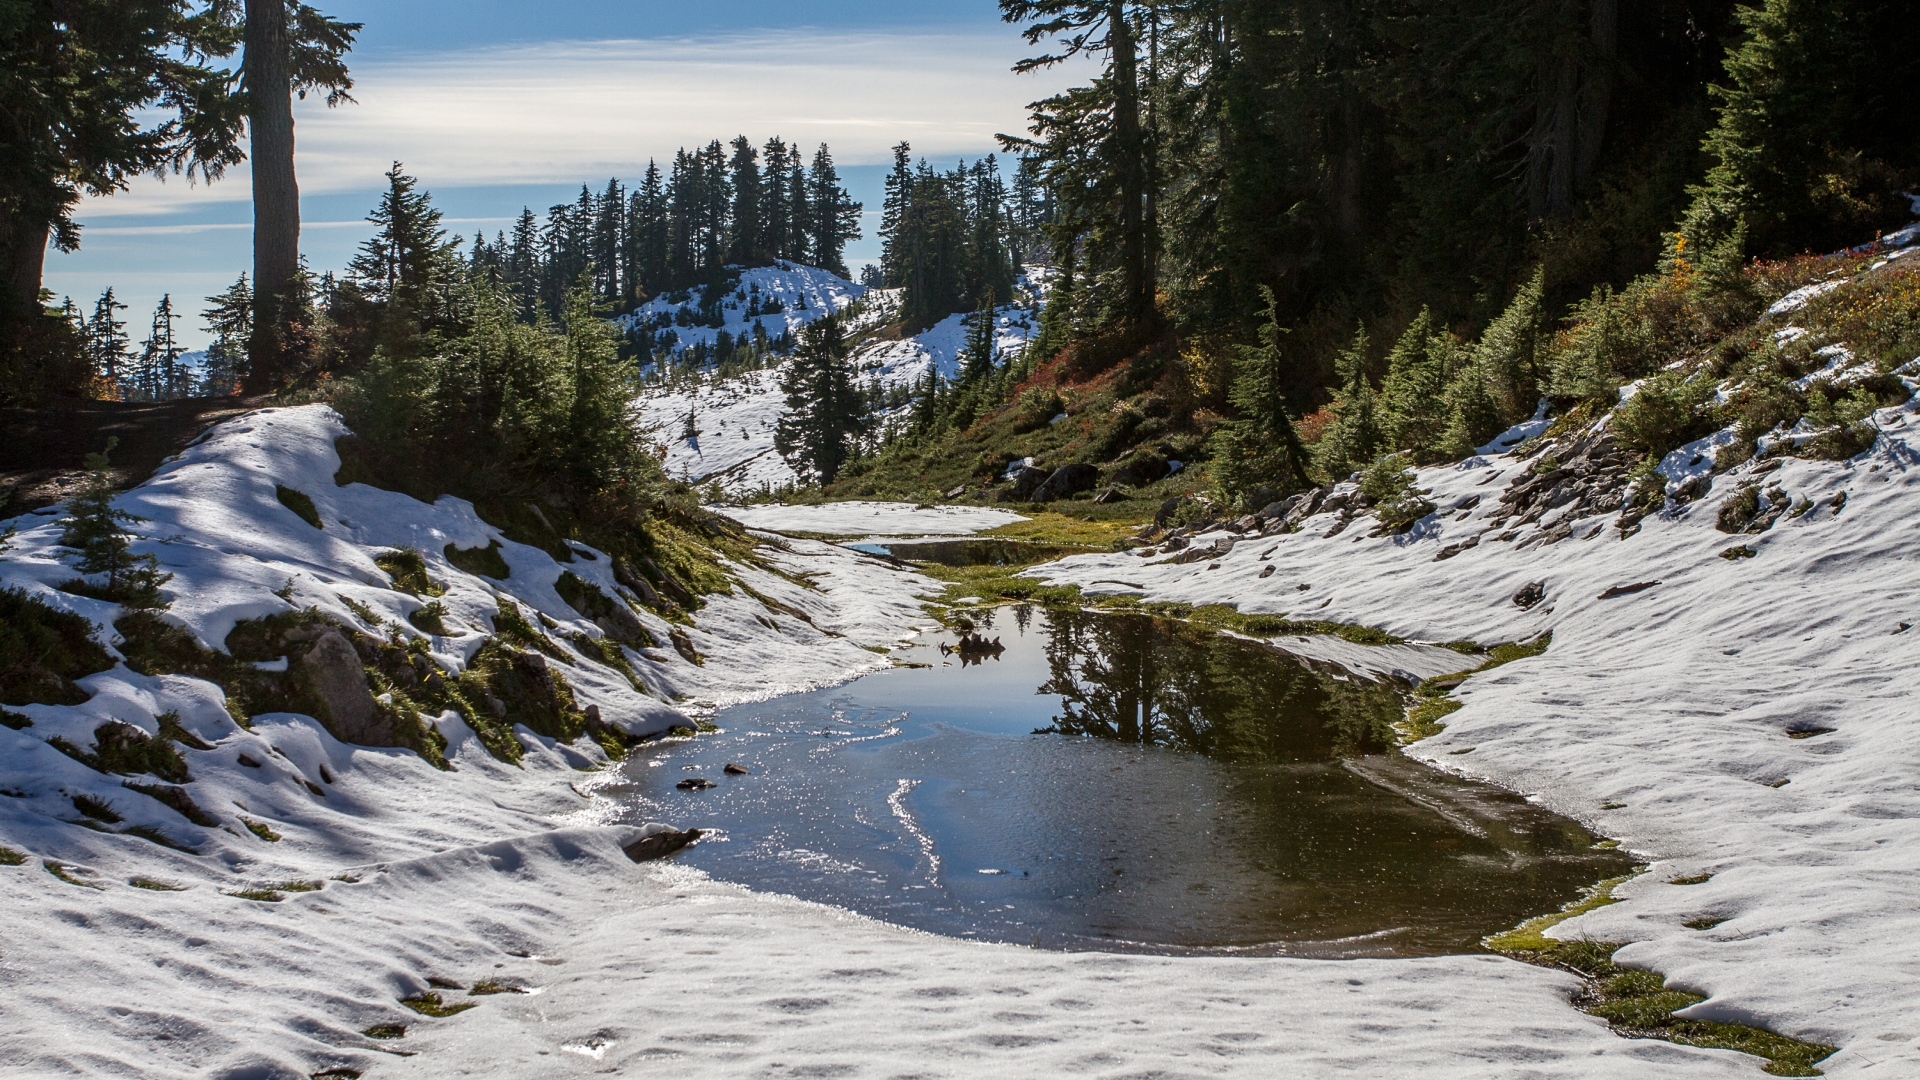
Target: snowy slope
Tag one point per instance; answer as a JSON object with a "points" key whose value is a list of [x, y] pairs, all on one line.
{"points": [[804, 293], [736, 417], [1662, 717], [512, 874]]}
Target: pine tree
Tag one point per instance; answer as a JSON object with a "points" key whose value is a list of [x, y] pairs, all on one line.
{"points": [[1259, 446], [747, 227], [835, 218], [159, 374], [229, 316], [1353, 439], [799, 211], [826, 413], [978, 356], [96, 531], [408, 254], [107, 344], [1412, 397], [893, 211]]}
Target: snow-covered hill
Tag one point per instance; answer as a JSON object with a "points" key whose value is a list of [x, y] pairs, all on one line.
{"points": [[767, 302], [735, 417]]}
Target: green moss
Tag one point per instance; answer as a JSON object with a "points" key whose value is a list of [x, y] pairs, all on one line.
{"points": [[485, 562], [1692, 879], [1637, 1002], [494, 986], [299, 503], [386, 1031], [263, 896], [10, 857], [431, 1004], [1705, 922], [43, 650], [409, 572]]}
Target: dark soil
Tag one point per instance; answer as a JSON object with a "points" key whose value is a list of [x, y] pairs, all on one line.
{"points": [[44, 451]]}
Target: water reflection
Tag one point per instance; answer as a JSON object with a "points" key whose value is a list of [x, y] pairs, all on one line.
{"points": [[1183, 791]]}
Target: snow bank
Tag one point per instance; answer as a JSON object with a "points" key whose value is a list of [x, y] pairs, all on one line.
{"points": [[1663, 717], [872, 519]]}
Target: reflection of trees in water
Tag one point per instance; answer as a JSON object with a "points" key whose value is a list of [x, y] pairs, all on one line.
{"points": [[1137, 679]]}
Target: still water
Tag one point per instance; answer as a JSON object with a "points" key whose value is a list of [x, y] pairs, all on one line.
{"points": [[1115, 782]]}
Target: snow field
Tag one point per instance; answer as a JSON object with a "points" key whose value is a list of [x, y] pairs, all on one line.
{"points": [[1662, 717]]}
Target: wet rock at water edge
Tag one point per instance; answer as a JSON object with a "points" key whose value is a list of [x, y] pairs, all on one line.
{"points": [[661, 844], [737, 770], [695, 783]]}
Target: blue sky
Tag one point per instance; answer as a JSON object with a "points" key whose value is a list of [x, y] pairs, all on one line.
{"points": [[496, 104]]}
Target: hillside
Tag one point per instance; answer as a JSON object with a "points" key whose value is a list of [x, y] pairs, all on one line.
{"points": [[736, 414]]}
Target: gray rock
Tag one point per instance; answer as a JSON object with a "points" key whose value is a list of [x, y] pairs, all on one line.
{"points": [[332, 669], [660, 844], [1067, 480], [1531, 595], [1026, 482]]}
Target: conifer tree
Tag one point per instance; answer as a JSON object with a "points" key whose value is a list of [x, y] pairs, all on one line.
{"points": [[1353, 439], [826, 413], [747, 228], [978, 356], [408, 255], [893, 211], [799, 211], [158, 374], [229, 316], [1419, 367], [834, 218], [1259, 446], [95, 530], [776, 225], [107, 343]]}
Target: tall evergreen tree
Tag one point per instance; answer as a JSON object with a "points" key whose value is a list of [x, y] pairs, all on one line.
{"points": [[834, 217], [107, 343], [229, 316], [1352, 440], [826, 413], [748, 227], [1259, 446]]}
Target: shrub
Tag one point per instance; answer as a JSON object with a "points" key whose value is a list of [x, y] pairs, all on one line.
{"points": [[43, 650], [1667, 411], [299, 503], [409, 572], [122, 748], [1389, 483], [485, 562]]}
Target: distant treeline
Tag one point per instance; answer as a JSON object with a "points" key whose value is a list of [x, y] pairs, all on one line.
{"points": [[720, 206]]}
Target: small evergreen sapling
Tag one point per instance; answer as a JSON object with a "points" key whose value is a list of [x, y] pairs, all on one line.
{"points": [[96, 531]]}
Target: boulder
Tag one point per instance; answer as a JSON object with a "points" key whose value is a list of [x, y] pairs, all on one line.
{"points": [[1026, 482], [333, 671], [1531, 595], [661, 844], [1108, 495], [1067, 480]]}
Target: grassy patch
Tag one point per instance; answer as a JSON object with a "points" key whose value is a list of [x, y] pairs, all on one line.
{"points": [[1087, 526], [151, 885], [1637, 1002], [14, 720], [261, 830], [1692, 879], [1431, 702], [299, 503], [60, 871], [43, 650], [386, 1031], [10, 857], [494, 986], [177, 800], [430, 619], [484, 562], [431, 1004], [264, 896], [122, 748], [409, 572], [97, 809]]}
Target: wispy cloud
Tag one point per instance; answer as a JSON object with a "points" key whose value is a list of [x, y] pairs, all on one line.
{"points": [[566, 111]]}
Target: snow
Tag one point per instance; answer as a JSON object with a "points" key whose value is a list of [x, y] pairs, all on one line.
{"points": [[872, 519], [1803, 296], [1661, 718], [805, 293], [736, 417]]}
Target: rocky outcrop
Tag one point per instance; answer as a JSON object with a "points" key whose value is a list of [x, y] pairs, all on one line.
{"points": [[1067, 481], [332, 670]]}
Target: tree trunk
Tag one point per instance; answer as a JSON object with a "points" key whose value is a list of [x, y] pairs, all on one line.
{"points": [[276, 195], [23, 255], [1131, 165]]}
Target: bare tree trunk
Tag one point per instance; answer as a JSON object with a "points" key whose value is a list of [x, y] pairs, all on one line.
{"points": [[276, 194]]}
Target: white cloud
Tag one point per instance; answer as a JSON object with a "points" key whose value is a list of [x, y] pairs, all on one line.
{"points": [[562, 111]]}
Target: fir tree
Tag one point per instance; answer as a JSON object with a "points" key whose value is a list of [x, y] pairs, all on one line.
{"points": [[1353, 439], [747, 228], [95, 531], [408, 254], [776, 212], [158, 374], [1259, 446], [834, 218], [229, 317], [1419, 367], [826, 413], [106, 343], [979, 353]]}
